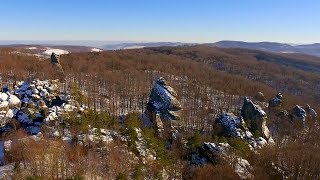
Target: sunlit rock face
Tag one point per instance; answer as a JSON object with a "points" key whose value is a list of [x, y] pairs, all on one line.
{"points": [[232, 125], [213, 153], [276, 102], [8, 104], [163, 101], [55, 61], [298, 114], [255, 117]]}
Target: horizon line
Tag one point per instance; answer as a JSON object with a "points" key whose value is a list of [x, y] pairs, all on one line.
{"points": [[144, 41]]}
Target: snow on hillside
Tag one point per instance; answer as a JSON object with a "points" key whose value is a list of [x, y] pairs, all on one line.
{"points": [[287, 52], [134, 47], [49, 51], [32, 48], [96, 50]]}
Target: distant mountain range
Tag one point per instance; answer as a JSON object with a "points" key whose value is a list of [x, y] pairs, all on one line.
{"points": [[45, 51], [134, 45], [311, 49], [85, 46]]}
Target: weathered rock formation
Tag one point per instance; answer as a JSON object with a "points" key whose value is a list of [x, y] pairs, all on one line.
{"points": [[33, 103], [163, 109], [55, 61], [311, 112], [298, 114], [276, 101], [8, 105], [232, 125], [212, 153], [163, 101], [255, 118]]}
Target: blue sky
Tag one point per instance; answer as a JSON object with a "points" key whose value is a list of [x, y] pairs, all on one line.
{"points": [[292, 21]]}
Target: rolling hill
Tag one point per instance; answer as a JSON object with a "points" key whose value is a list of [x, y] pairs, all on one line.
{"points": [[311, 49]]}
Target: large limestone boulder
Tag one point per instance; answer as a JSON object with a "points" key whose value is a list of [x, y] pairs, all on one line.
{"points": [[213, 153], [255, 118], [232, 125], [298, 114], [55, 61], [55, 58], [163, 101], [8, 103], [276, 101]]}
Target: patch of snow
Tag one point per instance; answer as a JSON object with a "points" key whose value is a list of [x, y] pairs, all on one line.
{"points": [[134, 47], [232, 124], [96, 50], [3, 96], [4, 104], [261, 142], [32, 48], [49, 51], [14, 100], [141, 146], [9, 113]]}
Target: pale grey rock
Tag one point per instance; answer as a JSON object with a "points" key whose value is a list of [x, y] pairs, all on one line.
{"points": [[163, 100], [255, 117], [232, 125], [211, 152], [298, 114], [276, 101], [55, 61]]}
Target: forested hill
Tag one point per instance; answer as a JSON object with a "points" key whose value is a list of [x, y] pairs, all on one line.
{"points": [[292, 73], [159, 113]]}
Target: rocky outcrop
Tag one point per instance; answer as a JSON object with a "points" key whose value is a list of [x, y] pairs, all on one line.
{"points": [[55, 58], [9, 103], [55, 61], [234, 126], [142, 148], [163, 101], [255, 118], [311, 112], [298, 114], [276, 101], [212, 153], [34, 103]]}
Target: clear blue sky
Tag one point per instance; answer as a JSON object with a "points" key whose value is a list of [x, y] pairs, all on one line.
{"points": [[292, 21]]}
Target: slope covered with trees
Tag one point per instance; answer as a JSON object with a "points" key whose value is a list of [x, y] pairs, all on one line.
{"points": [[115, 85]]}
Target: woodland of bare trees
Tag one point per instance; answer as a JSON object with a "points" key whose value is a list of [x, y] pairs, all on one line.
{"points": [[209, 81], [120, 81]]}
